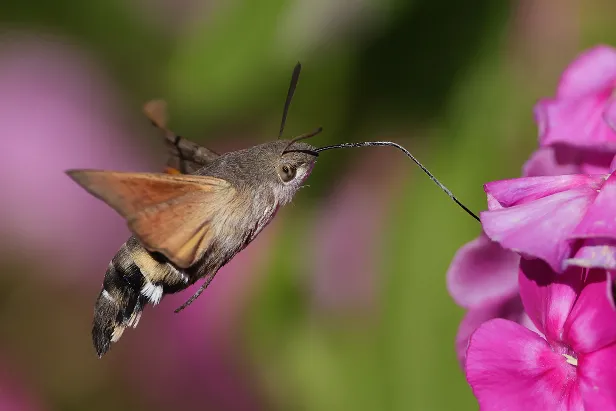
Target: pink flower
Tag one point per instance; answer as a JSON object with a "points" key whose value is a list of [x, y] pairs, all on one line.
{"points": [[563, 220], [567, 365], [577, 115], [541, 336], [483, 276]]}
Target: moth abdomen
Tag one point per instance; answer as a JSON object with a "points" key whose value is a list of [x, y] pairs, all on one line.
{"points": [[134, 278], [119, 303]]}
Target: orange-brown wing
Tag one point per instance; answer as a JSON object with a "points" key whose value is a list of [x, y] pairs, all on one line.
{"points": [[171, 214]]}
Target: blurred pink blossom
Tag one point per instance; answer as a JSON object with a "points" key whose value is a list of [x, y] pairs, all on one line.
{"points": [[577, 115], [195, 359], [346, 234], [58, 112], [567, 365], [14, 395]]}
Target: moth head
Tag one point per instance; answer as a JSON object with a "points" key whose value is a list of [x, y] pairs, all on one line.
{"points": [[295, 163], [290, 165]]}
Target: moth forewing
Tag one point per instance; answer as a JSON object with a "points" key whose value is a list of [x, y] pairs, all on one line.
{"points": [[170, 214]]}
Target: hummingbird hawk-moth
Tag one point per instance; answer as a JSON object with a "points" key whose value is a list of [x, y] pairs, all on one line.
{"points": [[195, 217]]}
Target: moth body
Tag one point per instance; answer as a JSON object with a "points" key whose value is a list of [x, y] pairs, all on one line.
{"points": [[248, 188], [190, 221]]}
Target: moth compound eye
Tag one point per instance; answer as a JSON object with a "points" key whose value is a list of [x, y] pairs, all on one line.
{"points": [[286, 173]]}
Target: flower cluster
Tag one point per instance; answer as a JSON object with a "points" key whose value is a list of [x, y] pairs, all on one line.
{"points": [[540, 330]]}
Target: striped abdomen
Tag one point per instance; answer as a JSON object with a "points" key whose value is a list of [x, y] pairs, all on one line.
{"points": [[134, 278]]}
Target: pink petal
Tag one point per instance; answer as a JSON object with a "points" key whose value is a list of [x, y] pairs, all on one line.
{"points": [[594, 253], [594, 161], [548, 297], [597, 379], [511, 368], [600, 218], [482, 270], [591, 72], [541, 116], [516, 191], [508, 308], [609, 114], [579, 123], [546, 161], [578, 114], [592, 322], [561, 159], [540, 228], [589, 161], [611, 289]]}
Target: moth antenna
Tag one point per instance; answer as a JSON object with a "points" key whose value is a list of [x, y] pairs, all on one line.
{"points": [[399, 147], [287, 103], [302, 137]]}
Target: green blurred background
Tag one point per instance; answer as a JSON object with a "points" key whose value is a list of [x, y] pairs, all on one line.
{"points": [[341, 303]]}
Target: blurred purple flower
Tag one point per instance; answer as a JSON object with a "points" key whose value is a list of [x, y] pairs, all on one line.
{"points": [[346, 235], [577, 115], [195, 359], [13, 394], [563, 220], [565, 366], [57, 112]]}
